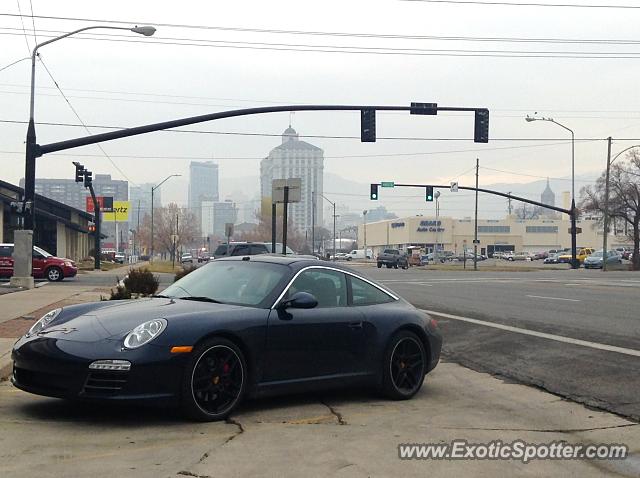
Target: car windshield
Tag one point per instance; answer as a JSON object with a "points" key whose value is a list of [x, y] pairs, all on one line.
{"points": [[42, 251], [597, 254], [230, 282]]}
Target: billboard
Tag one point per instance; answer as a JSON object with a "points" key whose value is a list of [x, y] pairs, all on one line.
{"points": [[105, 202], [120, 212]]}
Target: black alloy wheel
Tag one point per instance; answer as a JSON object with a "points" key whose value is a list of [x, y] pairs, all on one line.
{"points": [[215, 380], [404, 366]]}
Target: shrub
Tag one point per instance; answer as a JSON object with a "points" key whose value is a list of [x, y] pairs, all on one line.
{"points": [[141, 281], [120, 293], [184, 272]]}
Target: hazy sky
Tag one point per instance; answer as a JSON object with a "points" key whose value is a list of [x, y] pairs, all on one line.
{"points": [[140, 80]]}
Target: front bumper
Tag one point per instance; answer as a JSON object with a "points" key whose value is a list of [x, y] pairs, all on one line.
{"points": [[60, 368], [69, 271]]}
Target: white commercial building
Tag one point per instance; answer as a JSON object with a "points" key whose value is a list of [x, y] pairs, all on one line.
{"points": [[296, 159]]}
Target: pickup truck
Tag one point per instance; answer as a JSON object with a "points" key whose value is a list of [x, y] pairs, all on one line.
{"points": [[392, 258]]}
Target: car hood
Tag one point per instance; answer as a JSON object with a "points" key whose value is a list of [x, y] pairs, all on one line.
{"points": [[115, 321], [593, 259]]}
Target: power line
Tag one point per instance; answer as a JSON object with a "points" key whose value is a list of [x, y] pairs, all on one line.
{"points": [[82, 122], [278, 135], [383, 155], [24, 31], [528, 4], [533, 175], [350, 50], [336, 34]]}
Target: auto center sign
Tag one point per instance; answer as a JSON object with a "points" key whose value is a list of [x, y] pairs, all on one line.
{"points": [[430, 226], [105, 202]]}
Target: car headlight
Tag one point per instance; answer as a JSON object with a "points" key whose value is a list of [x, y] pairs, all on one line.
{"points": [[68, 263], [44, 321], [144, 333]]}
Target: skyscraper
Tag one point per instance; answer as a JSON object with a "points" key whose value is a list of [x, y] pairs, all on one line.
{"points": [[296, 159], [140, 197], [203, 186]]}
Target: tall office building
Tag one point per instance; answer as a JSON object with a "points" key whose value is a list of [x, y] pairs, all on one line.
{"points": [[140, 197], [215, 214], [296, 159], [203, 186]]}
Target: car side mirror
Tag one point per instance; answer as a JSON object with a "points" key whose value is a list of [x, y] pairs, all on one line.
{"points": [[300, 300]]}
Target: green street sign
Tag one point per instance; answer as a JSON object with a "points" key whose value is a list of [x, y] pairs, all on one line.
{"points": [[387, 184]]}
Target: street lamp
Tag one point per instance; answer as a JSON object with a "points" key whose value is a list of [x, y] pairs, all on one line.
{"points": [[606, 200], [334, 223], [364, 215], [153, 188], [435, 251], [23, 256], [529, 119]]}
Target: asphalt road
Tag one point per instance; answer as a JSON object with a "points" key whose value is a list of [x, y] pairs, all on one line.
{"points": [[585, 313]]}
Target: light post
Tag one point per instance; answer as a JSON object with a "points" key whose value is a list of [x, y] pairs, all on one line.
{"points": [[25, 237], [334, 223], [364, 215], [606, 199], [153, 188], [435, 250], [574, 260]]}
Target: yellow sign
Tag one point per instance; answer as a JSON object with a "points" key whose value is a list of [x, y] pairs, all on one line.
{"points": [[120, 212]]}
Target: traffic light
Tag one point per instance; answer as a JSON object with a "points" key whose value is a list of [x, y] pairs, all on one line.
{"points": [[481, 129], [368, 126], [79, 172], [87, 178], [374, 192], [429, 193]]}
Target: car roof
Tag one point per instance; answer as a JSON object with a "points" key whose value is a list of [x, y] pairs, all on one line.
{"points": [[290, 260]]}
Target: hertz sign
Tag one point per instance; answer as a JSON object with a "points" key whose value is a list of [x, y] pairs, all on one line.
{"points": [[120, 212]]}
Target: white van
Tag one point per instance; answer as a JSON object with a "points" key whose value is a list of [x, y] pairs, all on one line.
{"points": [[359, 254]]}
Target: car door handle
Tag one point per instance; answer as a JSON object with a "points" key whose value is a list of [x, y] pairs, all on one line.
{"points": [[355, 325]]}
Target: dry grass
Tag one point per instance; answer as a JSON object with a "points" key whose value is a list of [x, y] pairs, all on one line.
{"points": [[163, 266]]}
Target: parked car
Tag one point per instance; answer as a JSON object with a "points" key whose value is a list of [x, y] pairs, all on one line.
{"points": [[44, 265], [230, 330], [241, 249], [594, 261], [342, 256], [508, 255], [581, 254], [623, 252], [359, 254], [119, 258], [187, 257], [552, 258], [540, 255], [392, 258], [520, 256]]}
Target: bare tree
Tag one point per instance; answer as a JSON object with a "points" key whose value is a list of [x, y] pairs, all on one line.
{"points": [[624, 198], [528, 211], [164, 226]]}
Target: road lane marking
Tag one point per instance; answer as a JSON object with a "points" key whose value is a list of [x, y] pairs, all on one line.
{"points": [[543, 335], [552, 298]]}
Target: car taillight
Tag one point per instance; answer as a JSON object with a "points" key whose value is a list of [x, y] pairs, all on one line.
{"points": [[433, 323]]}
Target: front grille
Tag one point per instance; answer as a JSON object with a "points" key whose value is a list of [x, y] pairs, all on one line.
{"points": [[40, 380], [101, 383]]}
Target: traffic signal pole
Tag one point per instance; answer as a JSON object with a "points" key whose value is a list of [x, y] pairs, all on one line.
{"points": [[96, 238]]}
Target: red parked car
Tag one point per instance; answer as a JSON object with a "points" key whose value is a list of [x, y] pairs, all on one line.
{"points": [[45, 266]]}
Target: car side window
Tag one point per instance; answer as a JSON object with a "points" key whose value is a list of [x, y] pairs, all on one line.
{"points": [[365, 294], [327, 286], [6, 251], [258, 249], [241, 250]]}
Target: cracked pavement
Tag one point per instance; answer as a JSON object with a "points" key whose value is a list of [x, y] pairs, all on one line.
{"points": [[342, 433]]}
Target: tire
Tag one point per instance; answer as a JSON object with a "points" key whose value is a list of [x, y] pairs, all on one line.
{"points": [[402, 379], [214, 381], [54, 274], [395, 266], [379, 265], [388, 266]]}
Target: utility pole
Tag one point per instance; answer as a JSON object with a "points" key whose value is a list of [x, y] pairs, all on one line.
{"points": [[606, 207], [175, 245], [273, 229], [334, 231], [313, 221], [509, 206], [285, 213], [364, 214], [136, 239], [475, 228]]}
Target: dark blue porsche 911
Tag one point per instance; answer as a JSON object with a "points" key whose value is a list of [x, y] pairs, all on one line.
{"points": [[242, 326]]}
